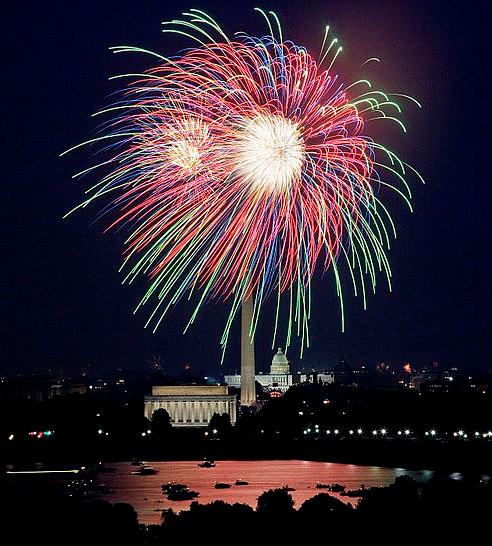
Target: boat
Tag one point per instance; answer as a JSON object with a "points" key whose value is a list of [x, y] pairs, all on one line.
{"points": [[173, 487], [94, 470], [144, 471], [136, 463], [207, 463], [354, 493], [182, 495], [333, 488], [241, 482], [104, 468], [221, 485], [287, 488]]}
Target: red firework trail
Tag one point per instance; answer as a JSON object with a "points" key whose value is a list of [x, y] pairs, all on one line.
{"points": [[240, 166]]}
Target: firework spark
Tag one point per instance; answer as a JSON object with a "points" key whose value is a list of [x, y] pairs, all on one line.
{"points": [[240, 166]]}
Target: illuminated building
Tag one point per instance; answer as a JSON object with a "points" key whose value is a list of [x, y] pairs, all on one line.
{"points": [[191, 405], [280, 379]]}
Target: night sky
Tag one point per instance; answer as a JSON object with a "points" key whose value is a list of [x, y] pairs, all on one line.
{"points": [[64, 302]]}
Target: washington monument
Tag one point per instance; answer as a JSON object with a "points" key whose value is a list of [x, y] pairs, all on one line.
{"points": [[248, 389]]}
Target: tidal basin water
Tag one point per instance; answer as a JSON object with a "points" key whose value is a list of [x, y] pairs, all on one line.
{"points": [[145, 494]]}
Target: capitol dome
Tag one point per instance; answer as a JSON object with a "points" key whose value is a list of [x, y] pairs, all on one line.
{"points": [[280, 364]]}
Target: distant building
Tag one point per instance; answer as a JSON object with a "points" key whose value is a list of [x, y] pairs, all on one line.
{"points": [[381, 377], [417, 380], [61, 389], [191, 405], [342, 372], [280, 379], [325, 377], [41, 387], [451, 380]]}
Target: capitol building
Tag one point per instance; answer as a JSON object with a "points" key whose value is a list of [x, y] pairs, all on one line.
{"points": [[279, 378]]}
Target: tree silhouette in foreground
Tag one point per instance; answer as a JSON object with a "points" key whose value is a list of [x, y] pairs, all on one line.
{"points": [[275, 503]]}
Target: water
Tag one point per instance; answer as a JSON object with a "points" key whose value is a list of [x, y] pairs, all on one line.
{"points": [[145, 495]]}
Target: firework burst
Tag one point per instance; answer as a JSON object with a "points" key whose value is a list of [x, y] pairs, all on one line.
{"points": [[241, 166]]}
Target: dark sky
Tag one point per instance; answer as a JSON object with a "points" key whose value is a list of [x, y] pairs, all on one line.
{"points": [[64, 304]]}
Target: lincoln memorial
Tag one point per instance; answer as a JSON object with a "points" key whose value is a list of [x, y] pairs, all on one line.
{"points": [[193, 405]]}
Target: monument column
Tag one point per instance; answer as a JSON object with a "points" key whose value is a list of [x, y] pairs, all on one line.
{"points": [[248, 390]]}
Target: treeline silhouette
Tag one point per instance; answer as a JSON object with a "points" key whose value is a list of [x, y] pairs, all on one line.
{"points": [[441, 507]]}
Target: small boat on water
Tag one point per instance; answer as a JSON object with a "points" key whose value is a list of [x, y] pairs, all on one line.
{"points": [[183, 495], [333, 488], [241, 482], [354, 493], [136, 463], [287, 488], [207, 463], [145, 471], [173, 487], [104, 468], [93, 470], [221, 485]]}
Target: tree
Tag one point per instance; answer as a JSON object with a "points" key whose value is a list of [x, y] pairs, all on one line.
{"points": [[220, 423], [396, 502], [326, 508], [274, 503], [160, 423], [125, 523]]}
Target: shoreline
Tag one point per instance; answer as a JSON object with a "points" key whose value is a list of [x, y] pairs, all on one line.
{"points": [[435, 456]]}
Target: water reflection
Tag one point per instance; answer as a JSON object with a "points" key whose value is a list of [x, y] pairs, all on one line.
{"points": [[144, 492]]}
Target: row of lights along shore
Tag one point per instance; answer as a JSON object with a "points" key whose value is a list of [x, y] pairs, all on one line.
{"points": [[383, 432], [402, 433]]}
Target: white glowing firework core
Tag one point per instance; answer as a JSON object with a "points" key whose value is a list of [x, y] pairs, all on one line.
{"points": [[187, 143], [185, 155], [271, 153]]}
